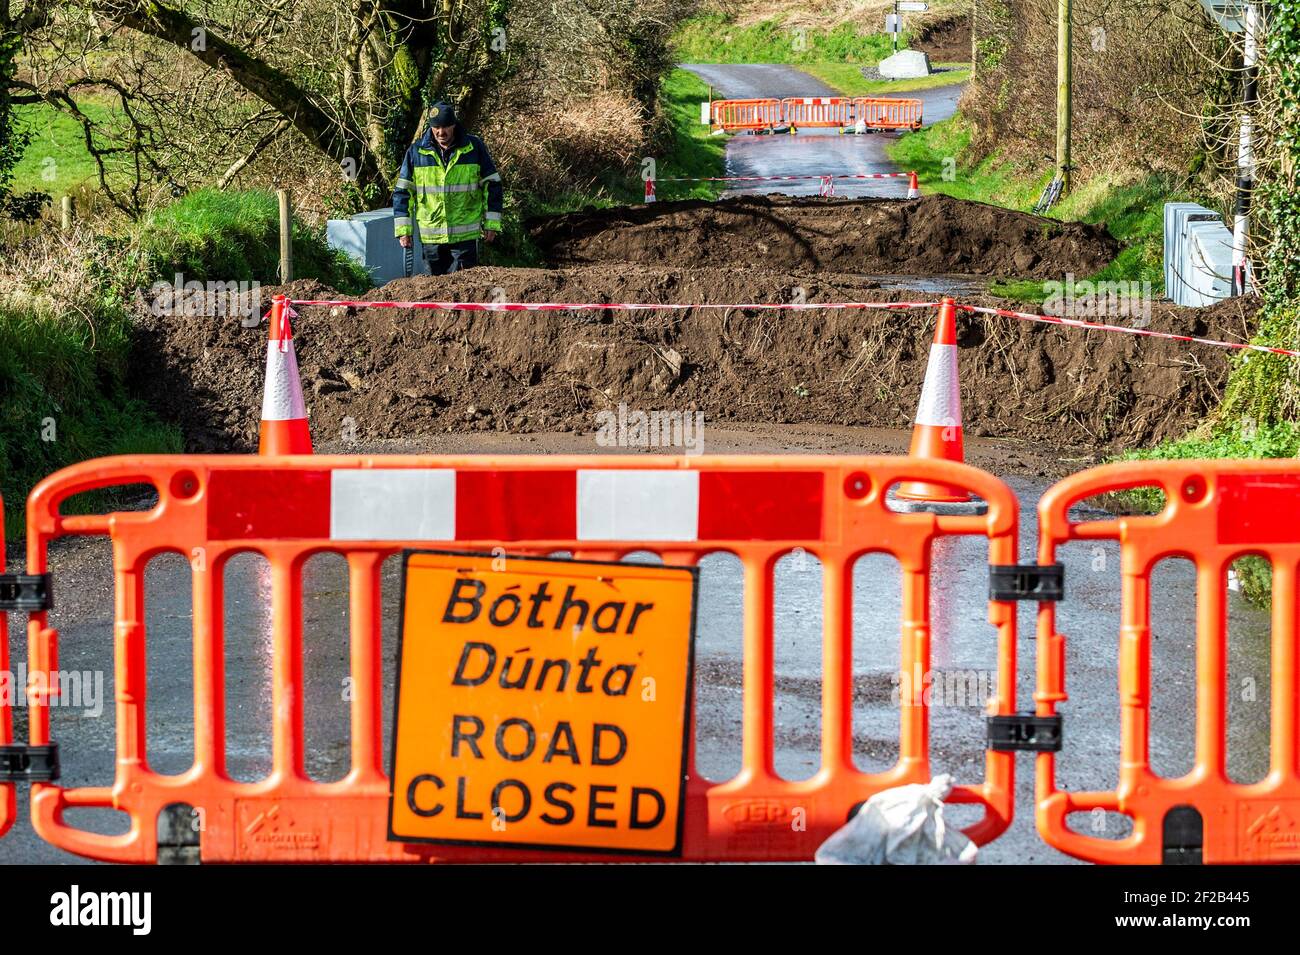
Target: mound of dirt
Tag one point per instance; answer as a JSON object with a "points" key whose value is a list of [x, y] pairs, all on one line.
{"points": [[946, 40], [386, 373], [932, 235]]}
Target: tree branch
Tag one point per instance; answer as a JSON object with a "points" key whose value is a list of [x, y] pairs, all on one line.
{"points": [[239, 164], [268, 83]]}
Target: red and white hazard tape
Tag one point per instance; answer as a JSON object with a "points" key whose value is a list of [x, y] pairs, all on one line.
{"points": [[607, 306], [1124, 329], [447, 505], [865, 175]]}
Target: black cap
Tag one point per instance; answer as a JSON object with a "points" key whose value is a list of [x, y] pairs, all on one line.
{"points": [[442, 114]]}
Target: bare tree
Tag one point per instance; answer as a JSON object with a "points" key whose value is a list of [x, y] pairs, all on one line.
{"points": [[203, 89], [350, 77]]}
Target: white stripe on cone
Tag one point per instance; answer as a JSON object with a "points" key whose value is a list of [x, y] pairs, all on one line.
{"points": [[940, 395], [282, 397], [638, 505]]}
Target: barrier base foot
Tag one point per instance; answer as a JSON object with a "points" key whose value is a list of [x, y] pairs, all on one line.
{"points": [[905, 505]]}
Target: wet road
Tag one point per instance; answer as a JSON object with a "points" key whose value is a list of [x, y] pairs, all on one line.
{"points": [[813, 152], [963, 645]]}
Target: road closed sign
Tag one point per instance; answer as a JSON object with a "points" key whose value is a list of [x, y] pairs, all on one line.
{"points": [[542, 703]]}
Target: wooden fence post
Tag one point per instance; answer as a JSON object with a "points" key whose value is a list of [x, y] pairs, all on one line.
{"points": [[286, 236]]}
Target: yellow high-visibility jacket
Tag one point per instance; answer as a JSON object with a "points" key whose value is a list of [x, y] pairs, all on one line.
{"points": [[448, 199]]}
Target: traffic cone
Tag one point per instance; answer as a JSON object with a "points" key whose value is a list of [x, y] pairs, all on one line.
{"points": [[284, 413], [937, 432], [913, 187], [649, 190]]}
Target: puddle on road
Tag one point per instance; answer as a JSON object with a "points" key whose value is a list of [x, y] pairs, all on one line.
{"points": [[955, 285]]}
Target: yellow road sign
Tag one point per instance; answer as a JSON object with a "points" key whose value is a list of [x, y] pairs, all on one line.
{"points": [[542, 703]]}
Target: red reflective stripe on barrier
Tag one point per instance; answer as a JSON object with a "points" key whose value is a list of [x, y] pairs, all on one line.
{"points": [[257, 504], [760, 505], [1258, 509], [516, 505], [384, 504]]}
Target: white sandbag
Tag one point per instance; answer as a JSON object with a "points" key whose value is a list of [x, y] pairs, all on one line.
{"points": [[900, 826]]}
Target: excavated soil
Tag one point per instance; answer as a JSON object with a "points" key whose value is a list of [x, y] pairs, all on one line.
{"points": [[945, 40], [932, 235], [382, 373]]}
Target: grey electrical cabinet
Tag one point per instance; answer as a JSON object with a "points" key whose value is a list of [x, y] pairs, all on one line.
{"points": [[1198, 255], [368, 239]]}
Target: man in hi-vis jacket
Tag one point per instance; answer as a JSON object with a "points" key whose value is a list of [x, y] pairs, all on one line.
{"points": [[448, 189]]}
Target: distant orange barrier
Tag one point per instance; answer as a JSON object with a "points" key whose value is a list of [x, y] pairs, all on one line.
{"points": [[813, 111], [746, 113], [836, 112], [882, 113]]}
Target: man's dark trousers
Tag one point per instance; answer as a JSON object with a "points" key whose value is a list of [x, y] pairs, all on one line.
{"points": [[451, 257]]}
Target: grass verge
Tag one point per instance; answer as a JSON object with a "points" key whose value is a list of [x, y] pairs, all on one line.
{"points": [[210, 235], [66, 327], [63, 382], [1131, 207], [56, 160], [692, 150], [848, 79], [716, 38]]}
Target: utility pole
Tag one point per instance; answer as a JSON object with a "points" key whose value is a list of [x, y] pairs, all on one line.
{"points": [[974, 44], [1063, 80], [1245, 154]]}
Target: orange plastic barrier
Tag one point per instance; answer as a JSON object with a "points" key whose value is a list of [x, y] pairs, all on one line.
{"points": [[818, 111], [747, 113], [881, 113], [8, 803], [1216, 511], [758, 508]]}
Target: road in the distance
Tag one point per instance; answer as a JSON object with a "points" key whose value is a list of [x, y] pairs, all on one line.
{"points": [[813, 152]]}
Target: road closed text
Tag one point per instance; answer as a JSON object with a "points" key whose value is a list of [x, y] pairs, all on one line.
{"points": [[560, 803], [542, 703]]}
